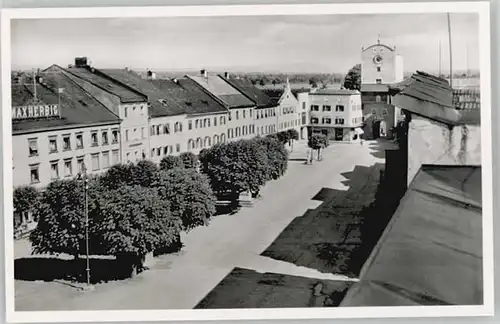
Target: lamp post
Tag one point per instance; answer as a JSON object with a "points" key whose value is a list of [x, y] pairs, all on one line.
{"points": [[83, 176]]}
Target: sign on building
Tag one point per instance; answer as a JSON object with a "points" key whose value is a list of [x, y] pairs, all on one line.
{"points": [[35, 111]]}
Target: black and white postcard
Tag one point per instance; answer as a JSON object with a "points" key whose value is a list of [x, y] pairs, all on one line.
{"points": [[247, 162]]}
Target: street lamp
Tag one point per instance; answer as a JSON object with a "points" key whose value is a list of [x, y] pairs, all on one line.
{"points": [[83, 176]]}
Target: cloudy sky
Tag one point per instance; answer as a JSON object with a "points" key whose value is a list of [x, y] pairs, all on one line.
{"points": [[330, 43]]}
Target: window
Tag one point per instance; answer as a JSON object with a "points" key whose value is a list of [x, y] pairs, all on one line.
{"points": [[199, 143], [384, 112], [126, 112], [52, 144], [34, 175], [208, 122], [158, 130], [314, 108], [93, 139], [33, 146], [177, 148], [374, 112], [105, 140], [303, 106], [68, 168], [190, 125], [66, 142], [244, 113], [166, 128], [327, 120], [153, 152], [158, 151], [54, 169], [95, 162], [115, 136], [143, 132], [190, 144], [215, 121], [377, 98], [178, 127], [208, 141], [105, 159], [79, 140], [313, 121], [379, 81], [205, 124], [80, 163], [223, 138], [126, 135], [237, 114], [339, 108], [115, 157], [327, 108], [378, 68], [250, 112], [222, 121], [339, 121], [128, 157]]}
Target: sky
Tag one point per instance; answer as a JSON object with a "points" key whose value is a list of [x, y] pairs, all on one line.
{"points": [[288, 44]]}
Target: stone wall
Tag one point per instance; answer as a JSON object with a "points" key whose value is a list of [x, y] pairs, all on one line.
{"points": [[431, 142]]}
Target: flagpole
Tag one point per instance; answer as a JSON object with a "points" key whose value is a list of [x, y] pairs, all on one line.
{"points": [[451, 56], [34, 85]]}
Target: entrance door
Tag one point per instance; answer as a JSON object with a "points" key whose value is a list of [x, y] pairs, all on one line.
{"points": [[339, 134], [376, 129], [383, 129]]}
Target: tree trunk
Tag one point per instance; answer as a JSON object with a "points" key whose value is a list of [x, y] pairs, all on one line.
{"points": [[319, 151]]}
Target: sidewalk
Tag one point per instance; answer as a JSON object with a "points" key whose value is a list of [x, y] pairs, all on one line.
{"points": [[182, 280]]}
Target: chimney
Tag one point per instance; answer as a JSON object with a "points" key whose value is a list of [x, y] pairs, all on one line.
{"points": [[204, 73], [226, 75], [81, 62]]}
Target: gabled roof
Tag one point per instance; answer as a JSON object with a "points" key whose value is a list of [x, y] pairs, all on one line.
{"points": [[431, 251], [187, 94], [432, 97], [100, 80], [166, 97], [221, 89], [160, 104], [429, 88], [77, 107], [259, 97]]}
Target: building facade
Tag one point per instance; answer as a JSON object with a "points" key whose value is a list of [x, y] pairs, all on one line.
{"points": [[336, 114], [304, 106], [381, 66], [289, 116], [75, 131]]}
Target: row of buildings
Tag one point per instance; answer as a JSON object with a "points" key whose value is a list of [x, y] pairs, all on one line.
{"points": [[67, 118]]}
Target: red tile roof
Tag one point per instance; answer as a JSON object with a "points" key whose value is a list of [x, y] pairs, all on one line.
{"points": [[77, 107]]}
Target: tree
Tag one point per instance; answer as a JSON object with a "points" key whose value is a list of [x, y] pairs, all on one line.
{"points": [[118, 175], [293, 135], [318, 142], [277, 155], [61, 217], [283, 137], [190, 196], [189, 160], [236, 167], [313, 82], [132, 221], [171, 162], [352, 80], [144, 173], [262, 83], [25, 201]]}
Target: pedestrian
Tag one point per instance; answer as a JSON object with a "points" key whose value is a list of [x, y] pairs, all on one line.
{"points": [[361, 141]]}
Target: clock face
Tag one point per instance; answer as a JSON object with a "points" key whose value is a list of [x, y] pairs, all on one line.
{"points": [[377, 59]]}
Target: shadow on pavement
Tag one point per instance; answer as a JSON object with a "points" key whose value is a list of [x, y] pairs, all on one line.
{"points": [[51, 269], [336, 237], [270, 290]]}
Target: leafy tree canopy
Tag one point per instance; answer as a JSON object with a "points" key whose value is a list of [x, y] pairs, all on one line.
{"points": [[189, 159], [190, 195], [171, 162], [352, 80]]}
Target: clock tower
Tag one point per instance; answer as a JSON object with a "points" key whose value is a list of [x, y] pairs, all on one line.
{"points": [[380, 64]]}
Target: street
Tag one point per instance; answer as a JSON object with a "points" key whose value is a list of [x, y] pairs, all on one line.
{"points": [[182, 280]]}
